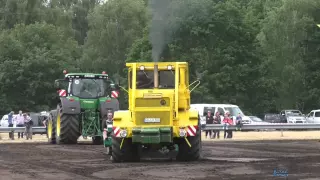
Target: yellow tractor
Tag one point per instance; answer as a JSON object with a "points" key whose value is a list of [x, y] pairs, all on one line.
{"points": [[159, 116]]}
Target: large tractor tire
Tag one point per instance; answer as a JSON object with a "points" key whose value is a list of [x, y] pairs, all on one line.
{"points": [[67, 128], [193, 153], [128, 153], [51, 130]]}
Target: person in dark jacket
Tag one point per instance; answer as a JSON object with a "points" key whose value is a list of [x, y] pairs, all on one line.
{"points": [[216, 120], [10, 122], [239, 122], [209, 120]]}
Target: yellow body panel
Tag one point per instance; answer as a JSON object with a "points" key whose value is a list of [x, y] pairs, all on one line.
{"points": [[172, 106]]}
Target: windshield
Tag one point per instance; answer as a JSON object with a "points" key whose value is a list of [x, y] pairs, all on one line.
{"points": [[294, 113], [90, 88], [145, 79], [234, 111], [272, 117], [206, 109]]}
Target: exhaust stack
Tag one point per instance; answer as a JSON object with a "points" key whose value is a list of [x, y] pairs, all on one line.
{"points": [[156, 76]]}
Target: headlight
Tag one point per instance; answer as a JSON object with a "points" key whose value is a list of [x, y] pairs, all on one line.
{"points": [[182, 133], [141, 68], [170, 67], [123, 133]]}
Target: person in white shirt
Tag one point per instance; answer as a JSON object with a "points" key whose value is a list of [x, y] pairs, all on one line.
{"points": [[19, 119]]}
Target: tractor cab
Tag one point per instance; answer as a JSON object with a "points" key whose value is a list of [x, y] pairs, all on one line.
{"points": [[87, 85]]}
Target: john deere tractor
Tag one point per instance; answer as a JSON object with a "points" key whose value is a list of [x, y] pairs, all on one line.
{"points": [[83, 103], [159, 118]]}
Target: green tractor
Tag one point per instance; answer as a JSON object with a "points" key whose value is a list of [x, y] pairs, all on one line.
{"points": [[84, 101]]}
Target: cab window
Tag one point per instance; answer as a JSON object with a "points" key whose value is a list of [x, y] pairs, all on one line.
{"points": [[145, 79], [206, 109], [311, 114], [221, 111]]}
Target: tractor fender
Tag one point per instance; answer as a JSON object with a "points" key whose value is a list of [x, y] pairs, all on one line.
{"points": [[105, 106], [70, 107]]}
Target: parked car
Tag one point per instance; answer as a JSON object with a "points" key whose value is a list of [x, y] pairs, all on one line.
{"points": [[313, 117], [292, 116], [272, 118], [222, 108]]}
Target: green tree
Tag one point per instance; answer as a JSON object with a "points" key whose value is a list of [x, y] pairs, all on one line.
{"points": [[32, 57]]}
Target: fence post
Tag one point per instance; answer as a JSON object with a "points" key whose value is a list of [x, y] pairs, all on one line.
{"points": [[281, 132]]}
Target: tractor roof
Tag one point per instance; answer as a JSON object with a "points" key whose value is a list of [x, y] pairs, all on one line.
{"points": [[164, 64], [87, 75]]}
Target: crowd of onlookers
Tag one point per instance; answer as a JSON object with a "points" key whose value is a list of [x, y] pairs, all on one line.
{"points": [[20, 120], [226, 121]]}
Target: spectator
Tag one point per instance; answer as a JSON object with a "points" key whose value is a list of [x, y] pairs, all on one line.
{"points": [[239, 122], [19, 119], [227, 121], [28, 126], [216, 120], [109, 120], [10, 122], [209, 120], [45, 124], [230, 132]]}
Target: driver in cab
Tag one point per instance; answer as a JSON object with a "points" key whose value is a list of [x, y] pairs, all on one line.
{"points": [[143, 81], [83, 89]]}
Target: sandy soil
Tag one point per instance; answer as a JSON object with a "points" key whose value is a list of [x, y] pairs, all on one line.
{"points": [[223, 159], [238, 135], [272, 135]]}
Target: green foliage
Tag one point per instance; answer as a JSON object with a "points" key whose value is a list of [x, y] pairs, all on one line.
{"points": [[262, 55], [32, 57]]}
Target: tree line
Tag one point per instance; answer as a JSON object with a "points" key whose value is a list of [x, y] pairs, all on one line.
{"points": [[262, 55]]}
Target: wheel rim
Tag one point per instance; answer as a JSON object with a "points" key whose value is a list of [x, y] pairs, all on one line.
{"points": [[58, 124], [50, 129]]}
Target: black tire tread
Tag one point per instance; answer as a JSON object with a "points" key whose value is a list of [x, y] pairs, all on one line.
{"points": [[69, 129], [53, 117], [192, 153], [128, 152]]}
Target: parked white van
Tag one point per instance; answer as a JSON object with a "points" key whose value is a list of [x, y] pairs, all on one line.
{"points": [[313, 117], [222, 108], [4, 121]]}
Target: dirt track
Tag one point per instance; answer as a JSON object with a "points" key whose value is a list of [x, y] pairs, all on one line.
{"points": [[223, 160]]}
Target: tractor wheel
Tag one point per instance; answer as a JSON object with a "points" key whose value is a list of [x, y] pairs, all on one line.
{"points": [[128, 152], [97, 140], [67, 128], [51, 131], [192, 153]]}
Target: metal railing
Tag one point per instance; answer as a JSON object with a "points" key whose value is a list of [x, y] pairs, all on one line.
{"points": [[22, 129], [269, 126]]}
